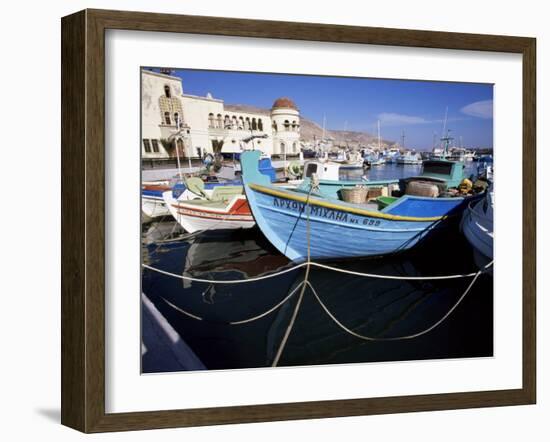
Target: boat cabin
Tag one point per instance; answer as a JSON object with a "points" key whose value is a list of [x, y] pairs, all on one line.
{"points": [[446, 172], [323, 170]]}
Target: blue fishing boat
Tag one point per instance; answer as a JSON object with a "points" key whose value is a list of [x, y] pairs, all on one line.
{"points": [[477, 226], [295, 220]]}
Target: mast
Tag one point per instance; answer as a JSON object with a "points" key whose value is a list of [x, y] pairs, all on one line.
{"points": [[324, 124], [378, 136], [446, 139], [403, 138], [443, 132]]}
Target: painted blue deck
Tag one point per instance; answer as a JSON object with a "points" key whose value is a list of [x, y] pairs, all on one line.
{"points": [[425, 207]]}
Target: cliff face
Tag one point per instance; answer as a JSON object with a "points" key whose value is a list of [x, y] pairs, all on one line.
{"points": [[310, 130]]}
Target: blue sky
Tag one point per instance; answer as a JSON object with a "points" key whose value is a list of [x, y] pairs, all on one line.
{"points": [[416, 107]]}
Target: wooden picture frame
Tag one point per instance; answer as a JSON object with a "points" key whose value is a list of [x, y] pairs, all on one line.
{"points": [[83, 220]]}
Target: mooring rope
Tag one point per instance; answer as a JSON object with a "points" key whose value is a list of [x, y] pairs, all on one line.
{"points": [[314, 264], [218, 281], [306, 283], [396, 338], [401, 278]]}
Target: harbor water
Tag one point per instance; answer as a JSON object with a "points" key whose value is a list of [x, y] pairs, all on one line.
{"points": [[368, 306]]}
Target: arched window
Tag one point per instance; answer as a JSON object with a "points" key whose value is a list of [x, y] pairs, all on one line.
{"points": [[294, 147], [287, 125], [167, 118], [260, 125], [220, 122], [283, 148], [227, 122], [275, 126], [241, 123], [167, 91], [211, 120], [176, 119], [234, 124], [254, 124], [247, 123], [294, 125]]}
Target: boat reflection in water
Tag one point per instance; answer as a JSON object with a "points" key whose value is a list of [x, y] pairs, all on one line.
{"points": [[372, 307]]}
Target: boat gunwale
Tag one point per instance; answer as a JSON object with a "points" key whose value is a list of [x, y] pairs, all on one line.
{"points": [[312, 199]]}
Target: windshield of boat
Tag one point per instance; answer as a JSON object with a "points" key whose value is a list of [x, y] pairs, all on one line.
{"points": [[437, 168], [311, 169]]}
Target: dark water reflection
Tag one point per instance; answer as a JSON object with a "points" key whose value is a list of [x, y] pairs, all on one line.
{"points": [[369, 306]]}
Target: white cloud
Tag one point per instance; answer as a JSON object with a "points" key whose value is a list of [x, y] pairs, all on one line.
{"points": [[480, 109], [392, 119]]}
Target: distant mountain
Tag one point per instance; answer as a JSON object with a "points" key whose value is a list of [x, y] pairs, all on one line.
{"points": [[246, 108], [310, 130]]}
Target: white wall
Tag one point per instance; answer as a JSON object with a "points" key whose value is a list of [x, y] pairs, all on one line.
{"points": [[152, 87], [29, 384]]}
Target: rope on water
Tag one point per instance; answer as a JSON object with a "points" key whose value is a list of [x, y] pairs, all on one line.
{"points": [[217, 281], [179, 309], [402, 278], [396, 338], [322, 266], [267, 312], [242, 321]]}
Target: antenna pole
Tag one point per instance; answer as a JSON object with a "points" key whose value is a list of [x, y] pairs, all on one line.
{"points": [[378, 135], [445, 124]]}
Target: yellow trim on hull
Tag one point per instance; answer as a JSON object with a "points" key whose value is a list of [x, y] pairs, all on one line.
{"points": [[330, 205]]}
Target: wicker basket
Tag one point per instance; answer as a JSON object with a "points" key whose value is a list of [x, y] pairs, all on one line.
{"points": [[374, 192], [357, 195]]}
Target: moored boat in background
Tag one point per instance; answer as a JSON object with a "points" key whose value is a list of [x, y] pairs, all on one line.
{"points": [[409, 158]]}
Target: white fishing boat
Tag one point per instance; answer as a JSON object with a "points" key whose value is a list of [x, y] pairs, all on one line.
{"points": [[477, 226], [409, 158], [225, 208], [154, 207], [152, 203], [349, 160]]}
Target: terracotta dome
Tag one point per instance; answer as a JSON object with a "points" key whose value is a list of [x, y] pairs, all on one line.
{"points": [[284, 102]]}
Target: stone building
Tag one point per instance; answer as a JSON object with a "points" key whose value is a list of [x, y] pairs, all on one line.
{"points": [[199, 125]]}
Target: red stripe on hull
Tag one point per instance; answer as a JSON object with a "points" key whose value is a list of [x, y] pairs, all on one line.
{"points": [[240, 207]]}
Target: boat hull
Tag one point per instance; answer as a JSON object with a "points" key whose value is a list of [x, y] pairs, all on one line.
{"points": [[477, 226], [153, 207], [195, 217], [333, 232]]}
